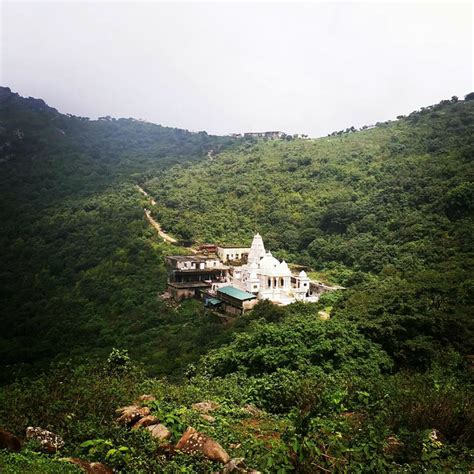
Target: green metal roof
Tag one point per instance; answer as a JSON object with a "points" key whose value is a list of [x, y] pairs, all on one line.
{"points": [[213, 301], [236, 293]]}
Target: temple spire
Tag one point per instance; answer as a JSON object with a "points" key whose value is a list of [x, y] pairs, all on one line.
{"points": [[257, 249]]}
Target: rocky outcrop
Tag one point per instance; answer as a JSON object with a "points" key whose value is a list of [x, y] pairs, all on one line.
{"points": [[49, 441], [205, 407], [90, 467], [131, 414], [9, 441], [145, 421], [194, 442], [159, 432]]}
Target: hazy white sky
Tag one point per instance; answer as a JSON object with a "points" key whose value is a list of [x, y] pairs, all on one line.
{"points": [[232, 67]]}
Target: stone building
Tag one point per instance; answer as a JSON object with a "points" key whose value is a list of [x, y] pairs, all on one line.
{"points": [[188, 275], [232, 253]]}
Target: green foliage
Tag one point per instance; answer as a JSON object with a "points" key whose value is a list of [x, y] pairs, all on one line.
{"points": [[298, 343], [30, 462], [118, 361], [78, 402], [413, 318]]}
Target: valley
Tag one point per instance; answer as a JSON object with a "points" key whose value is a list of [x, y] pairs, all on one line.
{"points": [[92, 210]]}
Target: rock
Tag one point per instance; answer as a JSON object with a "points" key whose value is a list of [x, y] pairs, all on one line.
{"points": [[193, 442], [49, 442], [235, 465], [145, 421], [144, 399], [131, 414], [90, 467], [9, 441], [159, 431], [208, 418], [205, 407]]}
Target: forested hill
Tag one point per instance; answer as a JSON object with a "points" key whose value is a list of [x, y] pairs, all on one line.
{"points": [[400, 193], [386, 211], [62, 155], [383, 385], [80, 267]]}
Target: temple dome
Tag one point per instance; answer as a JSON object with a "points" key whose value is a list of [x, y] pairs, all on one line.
{"points": [[269, 263], [283, 269], [303, 274]]}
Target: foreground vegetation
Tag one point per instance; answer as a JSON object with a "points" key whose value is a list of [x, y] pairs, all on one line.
{"points": [[328, 405], [382, 386]]}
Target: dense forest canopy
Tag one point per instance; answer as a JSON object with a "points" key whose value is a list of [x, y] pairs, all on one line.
{"points": [[385, 211], [80, 266]]}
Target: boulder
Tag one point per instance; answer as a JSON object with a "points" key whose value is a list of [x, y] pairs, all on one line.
{"points": [[131, 414], [90, 467], [193, 442], [144, 399], [9, 441], [205, 407], [159, 431], [208, 418], [49, 441], [145, 421]]}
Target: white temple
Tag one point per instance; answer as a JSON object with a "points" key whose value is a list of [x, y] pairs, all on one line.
{"points": [[268, 278]]}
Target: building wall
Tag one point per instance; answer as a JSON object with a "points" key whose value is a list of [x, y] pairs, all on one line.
{"points": [[235, 253], [230, 309], [180, 294]]}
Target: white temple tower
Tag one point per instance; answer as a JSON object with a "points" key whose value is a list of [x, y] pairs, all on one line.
{"points": [[257, 250]]}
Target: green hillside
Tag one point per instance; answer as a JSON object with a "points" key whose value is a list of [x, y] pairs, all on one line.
{"points": [[399, 193], [80, 267], [382, 386], [386, 211]]}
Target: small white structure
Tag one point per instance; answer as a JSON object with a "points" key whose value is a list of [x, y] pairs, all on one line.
{"points": [[268, 278], [228, 253]]}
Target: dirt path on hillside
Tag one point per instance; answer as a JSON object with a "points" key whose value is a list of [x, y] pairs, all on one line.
{"points": [[166, 237]]}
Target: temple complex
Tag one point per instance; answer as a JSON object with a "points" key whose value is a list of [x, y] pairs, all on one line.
{"points": [[234, 279]]}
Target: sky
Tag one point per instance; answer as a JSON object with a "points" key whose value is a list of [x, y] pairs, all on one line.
{"points": [[312, 67]]}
